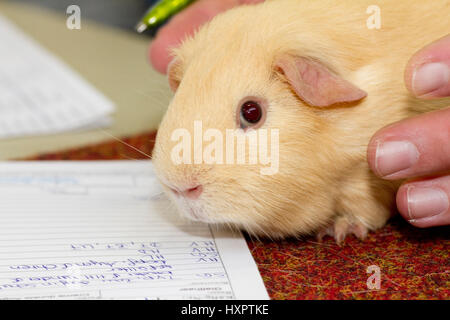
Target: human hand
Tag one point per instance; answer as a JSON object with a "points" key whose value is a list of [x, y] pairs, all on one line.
{"points": [[418, 148], [185, 23]]}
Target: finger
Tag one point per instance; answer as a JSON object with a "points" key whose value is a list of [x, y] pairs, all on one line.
{"points": [[425, 203], [185, 23], [413, 147], [427, 74]]}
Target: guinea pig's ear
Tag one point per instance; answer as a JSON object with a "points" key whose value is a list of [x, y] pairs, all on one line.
{"points": [[315, 84], [174, 74]]}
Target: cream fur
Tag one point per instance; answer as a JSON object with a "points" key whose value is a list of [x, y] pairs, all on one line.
{"points": [[323, 175]]}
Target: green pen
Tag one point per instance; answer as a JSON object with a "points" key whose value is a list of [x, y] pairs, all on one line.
{"points": [[160, 12]]}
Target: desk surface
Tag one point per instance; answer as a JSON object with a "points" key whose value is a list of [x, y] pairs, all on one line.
{"points": [[111, 59], [414, 263]]}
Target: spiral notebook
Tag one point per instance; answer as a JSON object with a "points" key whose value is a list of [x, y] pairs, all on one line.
{"points": [[104, 230]]}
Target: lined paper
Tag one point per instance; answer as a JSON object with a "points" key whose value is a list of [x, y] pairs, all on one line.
{"points": [[104, 230], [39, 94]]}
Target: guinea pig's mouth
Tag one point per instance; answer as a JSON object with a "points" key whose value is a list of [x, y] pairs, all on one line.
{"points": [[192, 214], [192, 211]]}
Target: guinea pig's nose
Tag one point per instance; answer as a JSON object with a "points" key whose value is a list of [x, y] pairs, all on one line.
{"points": [[190, 193]]}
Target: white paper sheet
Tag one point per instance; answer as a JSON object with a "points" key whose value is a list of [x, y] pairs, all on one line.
{"points": [[104, 230], [39, 94]]}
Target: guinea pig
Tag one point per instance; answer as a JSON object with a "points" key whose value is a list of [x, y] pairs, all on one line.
{"points": [[319, 80]]}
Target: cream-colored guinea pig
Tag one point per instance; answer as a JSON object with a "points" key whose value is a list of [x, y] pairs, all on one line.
{"points": [[322, 77]]}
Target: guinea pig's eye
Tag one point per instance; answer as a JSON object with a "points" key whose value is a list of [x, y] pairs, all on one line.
{"points": [[251, 114]]}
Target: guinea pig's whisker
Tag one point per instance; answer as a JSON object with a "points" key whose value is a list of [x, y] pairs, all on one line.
{"points": [[153, 97], [253, 237], [170, 206], [127, 144], [166, 206], [127, 157]]}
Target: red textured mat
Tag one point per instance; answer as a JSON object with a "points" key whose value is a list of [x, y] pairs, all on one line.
{"points": [[413, 263]]}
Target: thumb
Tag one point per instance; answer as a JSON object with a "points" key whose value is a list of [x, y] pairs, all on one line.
{"points": [[427, 73]]}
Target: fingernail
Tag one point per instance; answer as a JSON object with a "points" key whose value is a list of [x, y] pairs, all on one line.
{"points": [[426, 202], [430, 77], [395, 156]]}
